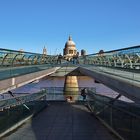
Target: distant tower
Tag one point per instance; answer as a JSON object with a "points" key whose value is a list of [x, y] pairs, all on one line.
{"points": [[44, 51], [83, 52], [21, 51], [101, 53], [70, 49]]}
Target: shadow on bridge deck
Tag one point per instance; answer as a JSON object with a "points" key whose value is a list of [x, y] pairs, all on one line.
{"points": [[62, 121]]}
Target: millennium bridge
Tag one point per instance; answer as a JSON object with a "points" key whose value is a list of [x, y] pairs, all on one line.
{"points": [[59, 112]]}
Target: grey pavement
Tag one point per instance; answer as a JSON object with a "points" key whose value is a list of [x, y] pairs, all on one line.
{"points": [[62, 121]]}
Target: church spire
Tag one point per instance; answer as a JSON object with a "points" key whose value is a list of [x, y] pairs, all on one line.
{"points": [[44, 51]]}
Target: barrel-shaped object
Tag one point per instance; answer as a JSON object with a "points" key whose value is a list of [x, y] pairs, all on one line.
{"points": [[71, 89]]}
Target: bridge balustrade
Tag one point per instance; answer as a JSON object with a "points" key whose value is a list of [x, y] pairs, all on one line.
{"points": [[128, 58], [58, 93], [119, 116], [14, 111], [18, 100], [15, 63], [13, 58]]}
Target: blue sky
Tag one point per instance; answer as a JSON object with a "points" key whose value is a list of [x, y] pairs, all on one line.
{"points": [[93, 24]]}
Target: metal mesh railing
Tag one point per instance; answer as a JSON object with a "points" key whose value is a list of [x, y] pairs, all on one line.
{"points": [[7, 103], [14, 58], [126, 58], [119, 115], [58, 93], [16, 109]]}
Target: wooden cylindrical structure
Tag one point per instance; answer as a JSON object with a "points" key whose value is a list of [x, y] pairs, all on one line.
{"points": [[71, 88]]}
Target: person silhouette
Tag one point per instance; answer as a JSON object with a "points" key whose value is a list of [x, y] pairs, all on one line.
{"points": [[84, 93], [59, 58]]}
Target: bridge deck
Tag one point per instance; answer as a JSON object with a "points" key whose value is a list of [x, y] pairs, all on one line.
{"points": [[62, 121]]}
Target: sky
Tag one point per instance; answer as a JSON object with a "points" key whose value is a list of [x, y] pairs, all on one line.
{"points": [[93, 24]]}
